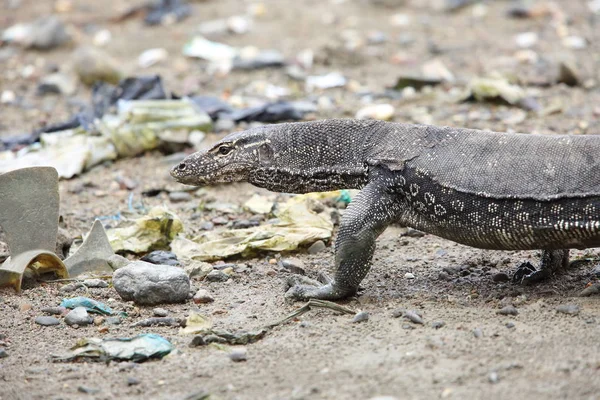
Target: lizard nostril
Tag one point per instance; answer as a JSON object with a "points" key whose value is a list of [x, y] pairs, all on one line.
{"points": [[181, 167]]}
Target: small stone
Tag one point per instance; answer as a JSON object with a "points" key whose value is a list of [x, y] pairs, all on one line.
{"points": [[116, 261], [132, 381], [508, 310], [293, 265], [500, 277], [413, 317], [317, 247], [569, 309], [493, 377], [198, 269], [438, 324], [57, 83], [78, 316], [477, 332], [25, 306], [596, 271], [220, 220], [409, 275], [54, 310], [238, 355], [95, 283], [217, 276], [197, 341], [47, 320], [92, 64], [3, 353], [384, 112], [150, 284], [244, 224], [88, 390], [71, 287], [361, 316], [161, 257], [443, 276], [113, 320], [202, 296], [410, 232], [207, 226], [510, 325], [98, 321], [160, 312], [179, 197]]}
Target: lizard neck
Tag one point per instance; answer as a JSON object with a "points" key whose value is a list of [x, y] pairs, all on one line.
{"points": [[315, 156]]}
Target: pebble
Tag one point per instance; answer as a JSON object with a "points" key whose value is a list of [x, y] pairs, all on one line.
{"points": [[206, 226], [238, 355], [198, 269], [409, 275], [317, 247], [477, 332], [54, 310], [95, 283], [3, 353], [78, 316], [150, 284], [220, 220], [47, 320], [217, 276], [71, 287], [179, 197], [493, 377], [569, 309], [116, 261], [596, 271], [202, 296], [500, 277], [510, 325], [361, 316], [383, 112], [294, 265], [113, 320], [413, 317], [160, 312], [197, 341], [98, 321], [508, 310], [25, 306], [244, 224], [132, 381], [443, 276], [437, 324], [92, 64], [161, 257]]}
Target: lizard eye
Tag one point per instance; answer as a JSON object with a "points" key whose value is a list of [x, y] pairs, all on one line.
{"points": [[224, 150], [181, 166]]}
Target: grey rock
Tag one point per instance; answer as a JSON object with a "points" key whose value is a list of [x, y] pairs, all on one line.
{"points": [[569, 309], [217, 276], [179, 197], [71, 287], [437, 324], [78, 316], [361, 316], [113, 320], [3, 353], [220, 220], [160, 312], [202, 296], [198, 269], [493, 377], [244, 224], [47, 320], [510, 325], [477, 332], [500, 277], [150, 284], [508, 310], [116, 261], [92, 64], [161, 257], [239, 354], [596, 271], [54, 310], [57, 84], [197, 341], [410, 232], [95, 283], [317, 247], [293, 265], [132, 381], [207, 226], [413, 317]]}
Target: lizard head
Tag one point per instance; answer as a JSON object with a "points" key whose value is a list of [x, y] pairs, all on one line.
{"points": [[232, 159]]}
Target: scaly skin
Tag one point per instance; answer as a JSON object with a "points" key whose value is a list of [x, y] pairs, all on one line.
{"points": [[483, 189]]}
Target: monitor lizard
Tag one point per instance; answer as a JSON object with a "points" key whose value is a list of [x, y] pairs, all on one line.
{"points": [[484, 189]]}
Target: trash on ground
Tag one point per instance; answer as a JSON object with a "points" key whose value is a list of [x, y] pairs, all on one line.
{"points": [[296, 225], [137, 349], [328, 81], [29, 210], [383, 112], [494, 90], [92, 256], [152, 57], [44, 33], [196, 323], [312, 303], [153, 231], [258, 204], [90, 305]]}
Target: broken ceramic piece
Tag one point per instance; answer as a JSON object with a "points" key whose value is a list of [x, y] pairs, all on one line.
{"points": [[93, 254], [29, 205]]}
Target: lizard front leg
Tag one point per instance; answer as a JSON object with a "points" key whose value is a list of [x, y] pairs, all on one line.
{"points": [[550, 262], [373, 209]]}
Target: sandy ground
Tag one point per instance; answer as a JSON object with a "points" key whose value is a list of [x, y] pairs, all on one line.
{"points": [[537, 354]]}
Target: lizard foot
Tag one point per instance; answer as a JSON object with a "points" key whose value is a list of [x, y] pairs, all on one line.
{"points": [[303, 288], [552, 261], [526, 274]]}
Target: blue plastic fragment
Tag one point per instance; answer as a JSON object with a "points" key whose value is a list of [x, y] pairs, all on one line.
{"points": [[90, 305], [344, 197]]}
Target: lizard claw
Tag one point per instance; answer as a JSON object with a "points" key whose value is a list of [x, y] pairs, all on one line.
{"points": [[303, 288], [524, 270]]}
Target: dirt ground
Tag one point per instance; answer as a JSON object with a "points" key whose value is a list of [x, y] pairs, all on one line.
{"points": [[537, 354]]}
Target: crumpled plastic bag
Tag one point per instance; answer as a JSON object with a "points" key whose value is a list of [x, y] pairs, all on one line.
{"points": [[494, 89], [138, 349], [153, 231], [297, 225], [195, 323], [90, 305]]}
